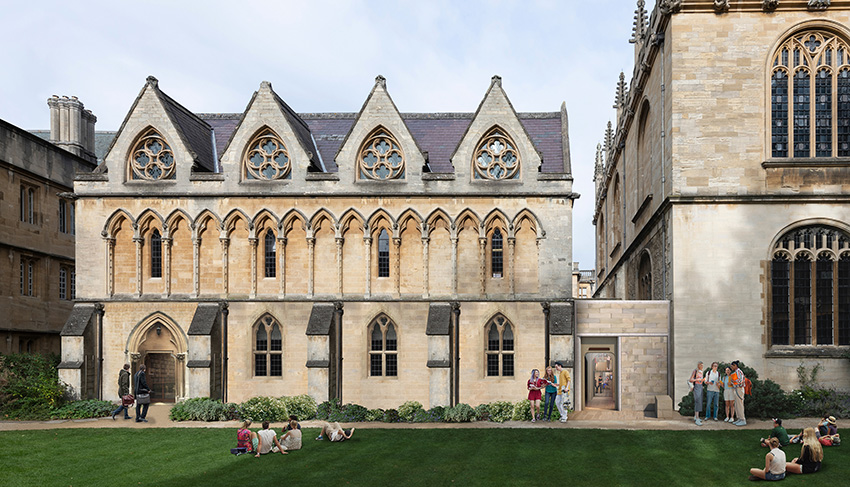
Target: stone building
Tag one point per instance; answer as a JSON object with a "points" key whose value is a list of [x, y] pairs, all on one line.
{"points": [[376, 257], [722, 186], [37, 226]]}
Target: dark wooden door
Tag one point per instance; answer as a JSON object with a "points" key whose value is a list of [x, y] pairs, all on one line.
{"points": [[161, 376]]}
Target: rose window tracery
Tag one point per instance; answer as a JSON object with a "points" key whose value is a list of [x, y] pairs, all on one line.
{"points": [[496, 157], [381, 157], [152, 159], [267, 158]]}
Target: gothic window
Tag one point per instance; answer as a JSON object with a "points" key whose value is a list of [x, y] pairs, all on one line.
{"points": [[496, 255], [810, 287], [71, 216], [383, 254], [63, 207], [500, 347], [267, 158], [496, 157], [156, 254], [151, 159], [28, 204], [73, 283], [381, 157], [27, 276], [383, 348], [268, 348], [270, 253], [645, 277], [810, 97], [63, 282]]}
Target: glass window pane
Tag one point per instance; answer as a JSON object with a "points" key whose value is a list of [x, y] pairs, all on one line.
{"points": [[802, 301], [260, 364], [823, 303], [62, 283], [781, 312], [62, 216], [276, 365], [375, 364], [802, 129], [277, 339], [508, 338], [392, 365], [843, 122], [262, 338], [392, 340], [383, 254], [508, 365], [492, 365], [270, 255], [377, 338], [493, 338], [496, 256], [844, 300], [156, 254]]}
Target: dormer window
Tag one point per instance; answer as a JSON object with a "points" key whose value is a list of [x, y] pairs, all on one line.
{"points": [[267, 158], [151, 159], [496, 157], [381, 157]]}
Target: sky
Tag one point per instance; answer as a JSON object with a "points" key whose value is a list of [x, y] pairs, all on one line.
{"points": [[323, 56]]}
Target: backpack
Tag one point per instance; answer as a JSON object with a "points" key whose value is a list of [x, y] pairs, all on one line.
{"points": [[748, 386]]}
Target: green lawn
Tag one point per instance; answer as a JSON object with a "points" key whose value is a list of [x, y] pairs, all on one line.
{"points": [[185, 457]]}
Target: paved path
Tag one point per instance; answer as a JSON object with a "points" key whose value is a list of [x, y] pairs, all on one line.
{"points": [[587, 419]]}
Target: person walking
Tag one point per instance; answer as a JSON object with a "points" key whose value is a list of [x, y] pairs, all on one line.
{"points": [[712, 378], [563, 399], [123, 390], [143, 394], [738, 386], [696, 381]]}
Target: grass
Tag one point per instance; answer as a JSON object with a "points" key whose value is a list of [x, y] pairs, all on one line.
{"points": [[186, 457]]}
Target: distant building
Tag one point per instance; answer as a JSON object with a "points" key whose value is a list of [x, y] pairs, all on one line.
{"points": [[584, 282]]}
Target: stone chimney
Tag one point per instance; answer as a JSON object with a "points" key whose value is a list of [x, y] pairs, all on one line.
{"points": [[72, 126]]}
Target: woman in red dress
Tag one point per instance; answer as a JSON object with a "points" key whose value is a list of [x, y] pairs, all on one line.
{"points": [[535, 383]]}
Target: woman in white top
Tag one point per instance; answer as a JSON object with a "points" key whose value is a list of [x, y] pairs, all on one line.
{"points": [[291, 440], [774, 463], [712, 379]]}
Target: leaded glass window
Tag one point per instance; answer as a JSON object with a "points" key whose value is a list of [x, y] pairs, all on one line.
{"points": [[500, 347], [810, 287], [62, 218], [383, 348], [268, 347], [381, 157], [152, 158], [270, 254], [63, 280], [267, 158], [156, 254], [496, 157], [815, 97], [496, 254], [383, 254]]}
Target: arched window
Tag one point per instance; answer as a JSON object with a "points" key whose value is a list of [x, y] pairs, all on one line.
{"points": [[496, 157], [270, 253], [643, 162], [496, 256], [645, 277], [500, 347], [267, 158], [383, 348], [151, 158], [383, 253], [810, 287], [268, 348], [810, 87], [381, 157], [156, 254]]}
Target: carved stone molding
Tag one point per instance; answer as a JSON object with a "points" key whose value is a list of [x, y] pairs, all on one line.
{"points": [[818, 4], [670, 6], [721, 6], [769, 5]]}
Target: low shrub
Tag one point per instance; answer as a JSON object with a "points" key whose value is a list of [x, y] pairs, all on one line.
{"points": [[500, 411], [408, 410], [482, 412], [303, 406], [434, 415], [391, 416], [263, 408], [460, 413], [354, 412], [30, 386], [325, 410], [201, 409], [375, 415], [824, 402], [91, 408], [522, 411]]}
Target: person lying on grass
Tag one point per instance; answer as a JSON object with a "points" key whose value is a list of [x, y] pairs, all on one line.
{"points": [[268, 438], [777, 432], [334, 432], [826, 427], [811, 455], [774, 464]]}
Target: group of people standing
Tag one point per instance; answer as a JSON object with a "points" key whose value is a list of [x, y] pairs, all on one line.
{"points": [[731, 383], [556, 386], [142, 397]]}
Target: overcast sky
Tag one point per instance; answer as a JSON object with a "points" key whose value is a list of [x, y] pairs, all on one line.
{"points": [[323, 56]]}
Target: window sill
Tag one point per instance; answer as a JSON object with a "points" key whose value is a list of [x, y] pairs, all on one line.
{"points": [[807, 351], [383, 377], [806, 162]]}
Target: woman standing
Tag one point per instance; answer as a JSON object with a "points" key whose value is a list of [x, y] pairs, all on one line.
{"points": [[810, 457], [696, 381], [712, 378], [728, 395], [551, 393], [535, 383]]}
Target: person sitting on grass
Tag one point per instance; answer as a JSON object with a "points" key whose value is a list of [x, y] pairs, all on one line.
{"points": [[291, 440], [246, 438], [267, 438], [289, 426], [334, 432], [811, 455], [826, 427], [774, 464], [777, 432]]}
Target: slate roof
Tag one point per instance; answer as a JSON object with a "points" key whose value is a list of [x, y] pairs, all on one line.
{"points": [[439, 319], [321, 318], [205, 317], [102, 140], [76, 323], [196, 133], [561, 318]]}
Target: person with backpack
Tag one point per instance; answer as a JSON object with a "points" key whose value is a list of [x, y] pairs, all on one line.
{"points": [[738, 387], [696, 382]]}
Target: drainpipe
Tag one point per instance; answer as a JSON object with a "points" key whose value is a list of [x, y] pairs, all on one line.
{"points": [[99, 387], [454, 344], [224, 312], [338, 311], [546, 351]]}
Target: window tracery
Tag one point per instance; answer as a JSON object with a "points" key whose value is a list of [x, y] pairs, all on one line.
{"points": [[496, 157], [267, 158], [268, 348], [500, 347], [383, 349], [380, 157], [152, 158]]}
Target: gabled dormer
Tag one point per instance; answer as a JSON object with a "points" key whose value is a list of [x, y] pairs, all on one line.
{"points": [[379, 147], [496, 145], [159, 141], [270, 143]]}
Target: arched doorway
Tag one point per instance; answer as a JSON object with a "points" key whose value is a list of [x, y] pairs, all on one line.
{"points": [[600, 376], [159, 344]]}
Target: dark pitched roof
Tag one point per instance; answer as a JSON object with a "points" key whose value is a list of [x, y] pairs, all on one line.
{"points": [[76, 323], [302, 132], [224, 124], [321, 317], [196, 133], [206, 315], [439, 319], [561, 318]]}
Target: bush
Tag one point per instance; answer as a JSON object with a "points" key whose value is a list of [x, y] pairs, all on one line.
{"points": [[460, 413], [201, 409], [354, 412], [434, 415], [375, 415], [391, 416], [303, 406], [408, 410], [327, 408], [501, 411], [522, 411], [262, 408], [482, 412], [91, 408], [826, 402], [29, 386]]}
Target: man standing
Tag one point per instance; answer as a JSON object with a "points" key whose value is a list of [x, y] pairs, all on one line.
{"points": [[738, 387], [563, 399], [123, 390], [140, 388]]}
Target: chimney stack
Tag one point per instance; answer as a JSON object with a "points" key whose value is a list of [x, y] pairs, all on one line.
{"points": [[72, 126]]}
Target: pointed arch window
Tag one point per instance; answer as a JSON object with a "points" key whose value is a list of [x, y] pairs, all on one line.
{"points": [[500, 347], [383, 348], [156, 254], [268, 348], [383, 253], [267, 158], [151, 158], [645, 277], [496, 157], [496, 254], [810, 96], [270, 253], [810, 287], [380, 157]]}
